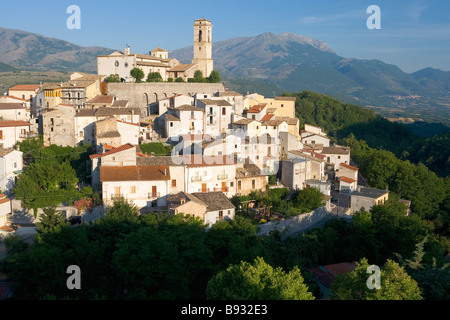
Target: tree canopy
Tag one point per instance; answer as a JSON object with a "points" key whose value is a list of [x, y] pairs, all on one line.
{"points": [[137, 74], [257, 281]]}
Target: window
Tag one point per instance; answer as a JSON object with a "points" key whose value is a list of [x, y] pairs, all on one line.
{"points": [[253, 117], [253, 183], [231, 184], [282, 105], [224, 111], [174, 183], [339, 157], [133, 189], [15, 164], [205, 173], [171, 124]]}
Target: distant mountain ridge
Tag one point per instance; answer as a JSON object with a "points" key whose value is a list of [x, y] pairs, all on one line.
{"points": [[34, 52], [274, 63], [295, 63]]}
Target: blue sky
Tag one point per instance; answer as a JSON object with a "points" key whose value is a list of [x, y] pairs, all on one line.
{"points": [[414, 34]]}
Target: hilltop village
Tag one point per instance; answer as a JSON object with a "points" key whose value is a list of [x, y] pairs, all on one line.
{"points": [[223, 144]]}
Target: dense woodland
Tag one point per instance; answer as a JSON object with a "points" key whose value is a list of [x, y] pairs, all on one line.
{"points": [[132, 256]]}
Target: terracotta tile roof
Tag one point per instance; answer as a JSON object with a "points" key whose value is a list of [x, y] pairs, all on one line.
{"points": [[159, 161], [11, 106], [171, 117], [25, 87], [101, 99], [4, 152], [307, 156], [347, 166], [85, 113], [249, 170], [187, 107], [257, 108], [134, 173], [314, 154], [181, 67], [4, 200], [13, 123], [176, 200], [159, 49], [120, 104], [213, 102], [125, 122], [289, 120], [215, 200], [335, 150], [244, 121], [267, 117], [115, 150], [345, 179], [274, 123], [16, 98]]}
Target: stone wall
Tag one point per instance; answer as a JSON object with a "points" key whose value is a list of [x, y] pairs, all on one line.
{"points": [[296, 224], [142, 94]]}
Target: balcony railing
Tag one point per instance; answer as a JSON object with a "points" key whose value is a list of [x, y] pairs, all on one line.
{"points": [[153, 195], [222, 176], [225, 189], [211, 114], [197, 178], [210, 123], [28, 135]]}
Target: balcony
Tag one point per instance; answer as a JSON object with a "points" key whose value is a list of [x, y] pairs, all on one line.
{"points": [[211, 114], [197, 178], [226, 189], [191, 128], [28, 135], [222, 176], [211, 123], [117, 195], [153, 195]]}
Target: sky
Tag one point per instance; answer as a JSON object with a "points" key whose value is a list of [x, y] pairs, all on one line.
{"points": [[414, 34]]}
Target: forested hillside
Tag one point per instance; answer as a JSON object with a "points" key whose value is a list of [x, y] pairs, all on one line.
{"points": [[340, 119]]}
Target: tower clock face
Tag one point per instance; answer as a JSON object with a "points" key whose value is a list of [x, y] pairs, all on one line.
{"points": [[116, 63]]}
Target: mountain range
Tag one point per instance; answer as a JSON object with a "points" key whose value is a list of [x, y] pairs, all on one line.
{"points": [[268, 63]]}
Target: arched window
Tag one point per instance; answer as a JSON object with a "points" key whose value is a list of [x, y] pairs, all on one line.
{"points": [[200, 36]]}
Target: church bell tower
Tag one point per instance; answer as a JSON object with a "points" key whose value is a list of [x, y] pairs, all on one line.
{"points": [[203, 46]]}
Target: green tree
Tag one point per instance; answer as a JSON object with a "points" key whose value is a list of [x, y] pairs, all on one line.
{"points": [[309, 199], [198, 76], [257, 281], [395, 284], [137, 74], [214, 77], [154, 77], [167, 260], [112, 78], [434, 280], [51, 221]]}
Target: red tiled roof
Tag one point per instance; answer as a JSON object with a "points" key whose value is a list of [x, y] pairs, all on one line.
{"points": [[134, 173], [13, 123], [347, 166], [257, 108], [134, 124], [115, 150], [267, 117], [25, 87], [17, 98], [345, 179]]}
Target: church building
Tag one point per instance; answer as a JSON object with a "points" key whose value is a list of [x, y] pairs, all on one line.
{"points": [[158, 60]]}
